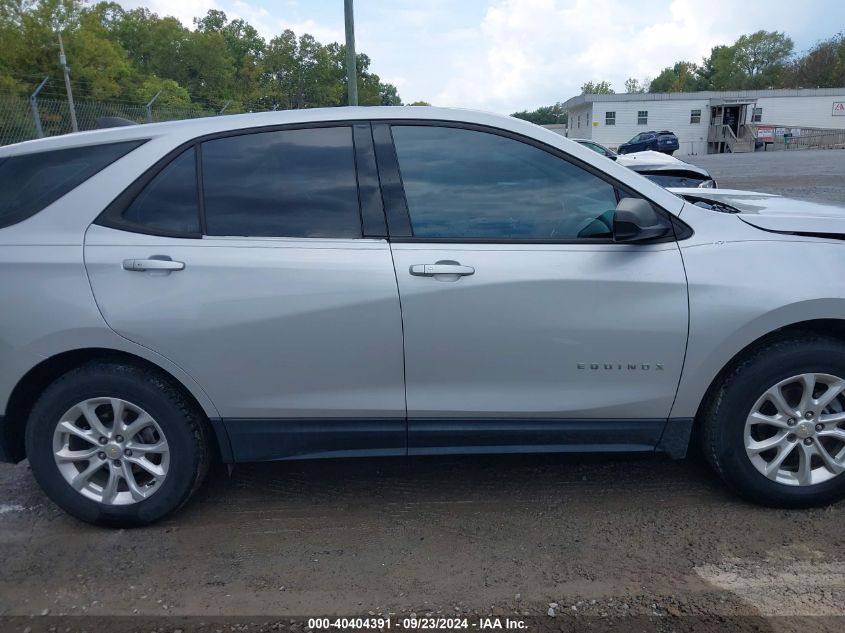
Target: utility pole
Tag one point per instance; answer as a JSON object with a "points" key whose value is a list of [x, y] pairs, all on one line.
{"points": [[63, 62], [351, 66]]}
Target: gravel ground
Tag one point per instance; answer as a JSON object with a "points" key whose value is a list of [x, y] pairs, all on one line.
{"points": [[573, 542], [817, 175]]}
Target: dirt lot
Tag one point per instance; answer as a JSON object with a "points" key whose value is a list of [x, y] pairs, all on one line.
{"points": [[589, 539], [817, 175]]}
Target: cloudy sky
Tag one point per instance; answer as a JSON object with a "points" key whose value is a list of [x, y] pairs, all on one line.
{"points": [[507, 55]]}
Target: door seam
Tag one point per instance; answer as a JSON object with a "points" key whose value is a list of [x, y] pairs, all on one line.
{"points": [[129, 340], [404, 358]]}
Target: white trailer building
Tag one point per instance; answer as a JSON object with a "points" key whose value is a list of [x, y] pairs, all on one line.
{"points": [[711, 122]]}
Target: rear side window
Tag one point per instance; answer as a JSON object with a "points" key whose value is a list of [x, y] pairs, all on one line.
{"points": [[170, 201], [287, 183], [30, 182]]}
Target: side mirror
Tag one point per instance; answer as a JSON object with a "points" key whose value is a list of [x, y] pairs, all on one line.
{"points": [[635, 220]]}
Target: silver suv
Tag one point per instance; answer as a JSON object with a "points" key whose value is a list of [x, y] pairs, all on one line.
{"points": [[390, 281]]}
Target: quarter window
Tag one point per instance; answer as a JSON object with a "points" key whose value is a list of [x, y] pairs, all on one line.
{"points": [[757, 115], [30, 182], [469, 184], [169, 201], [610, 118], [289, 183], [642, 117], [695, 116]]}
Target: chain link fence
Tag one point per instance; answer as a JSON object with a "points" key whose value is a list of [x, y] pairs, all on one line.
{"points": [[19, 115]]}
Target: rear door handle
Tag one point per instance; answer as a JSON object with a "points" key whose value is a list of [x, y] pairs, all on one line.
{"points": [[429, 270], [152, 264]]}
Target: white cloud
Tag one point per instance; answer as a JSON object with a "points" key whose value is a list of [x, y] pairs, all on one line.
{"points": [[539, 51], [321, 32], [527, 53], [254, 14], [184, 10]]}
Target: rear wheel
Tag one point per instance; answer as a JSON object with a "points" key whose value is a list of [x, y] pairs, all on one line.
{"points": [[116, 444], [775, 428]]}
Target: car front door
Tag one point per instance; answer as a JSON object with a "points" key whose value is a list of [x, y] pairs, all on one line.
{"points": [[526, 327], [262, 284]]}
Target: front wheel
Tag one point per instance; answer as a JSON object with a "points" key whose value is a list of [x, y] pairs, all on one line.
{"points": [[115, 444], [775, 427]]}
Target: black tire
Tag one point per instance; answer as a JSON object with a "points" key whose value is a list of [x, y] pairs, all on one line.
{"points": [[725, 413], [183, 426]]}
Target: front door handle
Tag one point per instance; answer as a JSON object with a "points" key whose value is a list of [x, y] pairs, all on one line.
{"points": [[152, 264], [429, 270]]}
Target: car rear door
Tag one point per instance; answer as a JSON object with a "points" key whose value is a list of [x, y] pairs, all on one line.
{"points": [[248, 261], [526, 327]]}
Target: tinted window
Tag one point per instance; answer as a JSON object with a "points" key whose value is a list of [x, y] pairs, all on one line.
{"points": [[467, 184], [598, 149], [30, 182], [169, 201], [291, 183]]}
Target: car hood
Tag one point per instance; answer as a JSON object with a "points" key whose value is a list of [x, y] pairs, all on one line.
{"points": [[656, 162], [772, 212], [650, 157]]}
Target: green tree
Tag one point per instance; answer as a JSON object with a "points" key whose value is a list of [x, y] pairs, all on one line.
{"points": [[597, 88], [132, 55], [682, 77], [823, 66], [545, 115], [390, 95], [246, 48], [762, 58], [634, 86]]}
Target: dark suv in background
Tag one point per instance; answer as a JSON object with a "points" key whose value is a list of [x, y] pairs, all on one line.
{"points": [[663, 141]]}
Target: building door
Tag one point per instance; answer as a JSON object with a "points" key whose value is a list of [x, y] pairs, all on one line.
{"points": [[731, 118]]}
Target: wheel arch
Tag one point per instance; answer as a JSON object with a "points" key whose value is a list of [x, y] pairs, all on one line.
{"points": [[834, 328], [30, 386]]}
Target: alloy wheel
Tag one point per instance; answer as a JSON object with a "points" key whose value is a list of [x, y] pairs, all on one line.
{"points": [[111, 451], [795, 433]]}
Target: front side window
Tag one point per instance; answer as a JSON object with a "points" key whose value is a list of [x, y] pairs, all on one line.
{"points": [[30, 182], [695, 116], [642, 117], [470, 184], [756, 115], [288, 183], [169, 202], [610, 118]]}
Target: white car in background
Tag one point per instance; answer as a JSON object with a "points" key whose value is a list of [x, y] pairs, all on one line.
{"points": [[665, 170]]}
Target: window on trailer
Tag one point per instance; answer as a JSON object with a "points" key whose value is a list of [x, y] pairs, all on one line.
{"points": [[642, 117]]}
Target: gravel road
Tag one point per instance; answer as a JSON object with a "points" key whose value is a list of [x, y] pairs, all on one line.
{"points": [[557, 537], [817, 175]]}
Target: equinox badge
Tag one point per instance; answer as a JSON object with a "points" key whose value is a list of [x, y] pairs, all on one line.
{"points": [[622, 366]]}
